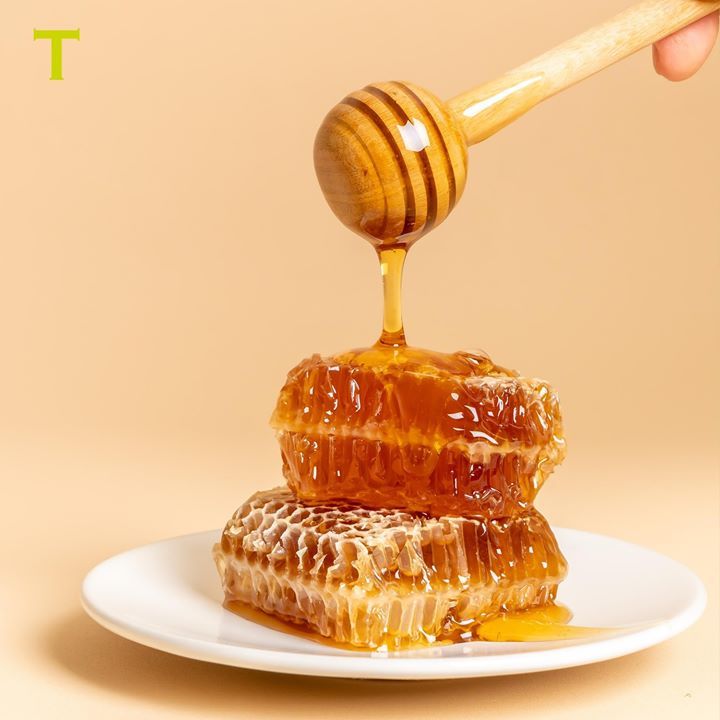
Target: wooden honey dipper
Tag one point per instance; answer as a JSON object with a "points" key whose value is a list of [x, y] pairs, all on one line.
{"points": [[392, 158]]}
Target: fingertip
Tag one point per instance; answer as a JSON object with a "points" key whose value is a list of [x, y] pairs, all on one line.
{"points": [[680, 55]]}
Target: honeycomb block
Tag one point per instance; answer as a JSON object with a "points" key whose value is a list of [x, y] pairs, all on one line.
{"points": [[384, 578], [417, 430]]}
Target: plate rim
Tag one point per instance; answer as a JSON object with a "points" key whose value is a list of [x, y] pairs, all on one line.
{"points": [[394, 667]]}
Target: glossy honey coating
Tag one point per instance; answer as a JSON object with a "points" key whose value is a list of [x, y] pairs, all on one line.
{"points": [[417, 430], [384, 578]]}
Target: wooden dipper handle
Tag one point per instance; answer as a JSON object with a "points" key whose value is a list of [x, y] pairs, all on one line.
{"points": [[486, 109]]}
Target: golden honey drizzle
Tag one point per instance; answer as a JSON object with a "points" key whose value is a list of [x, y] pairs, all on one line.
{"points": [[392, 261], [542, 624]]}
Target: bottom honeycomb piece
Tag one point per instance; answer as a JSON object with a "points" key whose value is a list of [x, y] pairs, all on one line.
{"points": [[384, 578]]}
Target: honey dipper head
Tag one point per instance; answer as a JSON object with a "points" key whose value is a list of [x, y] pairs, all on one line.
{"points": [[391, 162]]}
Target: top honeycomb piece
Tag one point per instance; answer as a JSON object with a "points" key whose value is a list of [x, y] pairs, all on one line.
{"points": [[417, 430]]}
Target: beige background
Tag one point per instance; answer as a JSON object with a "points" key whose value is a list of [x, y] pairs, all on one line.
{"points": [[167, 257]]}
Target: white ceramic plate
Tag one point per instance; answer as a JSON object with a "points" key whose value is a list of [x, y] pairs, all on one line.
{"points": [[167, 595]]}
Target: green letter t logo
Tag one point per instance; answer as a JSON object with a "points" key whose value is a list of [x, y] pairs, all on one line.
{"points": [[56, 37]]}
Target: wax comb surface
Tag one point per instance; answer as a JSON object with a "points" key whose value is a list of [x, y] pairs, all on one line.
{"points": [[384, 578]]}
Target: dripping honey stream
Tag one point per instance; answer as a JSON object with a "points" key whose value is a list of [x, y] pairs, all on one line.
{"points": [[392, 262]]}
